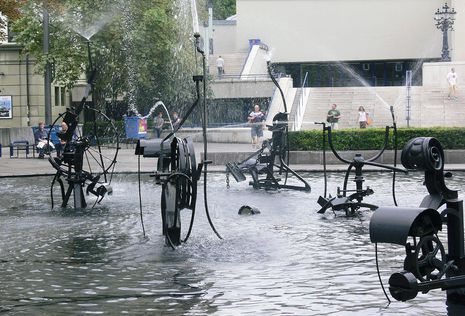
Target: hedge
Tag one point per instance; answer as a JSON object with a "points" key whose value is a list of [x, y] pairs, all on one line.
{"points": [[373, 138]]}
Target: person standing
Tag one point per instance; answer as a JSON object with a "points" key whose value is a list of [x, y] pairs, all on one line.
{"points": [[159, 122], [362, 117], [176, 120], [452, 81], [333, 116], [220, 66], [256, 118]]}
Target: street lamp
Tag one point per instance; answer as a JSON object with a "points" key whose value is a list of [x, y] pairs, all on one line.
{"points": [[444, 22]]}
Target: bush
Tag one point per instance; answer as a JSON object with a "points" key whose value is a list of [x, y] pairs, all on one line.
{"points": [[373, 138]]}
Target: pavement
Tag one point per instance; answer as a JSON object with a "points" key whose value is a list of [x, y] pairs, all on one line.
{"points": [[219, 153]]}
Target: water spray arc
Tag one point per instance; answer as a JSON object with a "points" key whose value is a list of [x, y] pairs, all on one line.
{"points": [[177, 170]]}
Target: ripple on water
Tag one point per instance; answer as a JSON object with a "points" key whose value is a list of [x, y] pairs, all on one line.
{"points": [[287, 260]]}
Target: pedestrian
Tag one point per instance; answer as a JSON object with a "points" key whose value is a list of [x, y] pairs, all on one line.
{"points": [[362, 117], [220, 66], [452, 81], [256, 119], [159, 122], [176, 120], [333, 116]]}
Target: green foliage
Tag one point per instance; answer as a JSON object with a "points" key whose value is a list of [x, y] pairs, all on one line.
{"points": [[142, 49], [223, 9], [10, 10], [373, 138]]}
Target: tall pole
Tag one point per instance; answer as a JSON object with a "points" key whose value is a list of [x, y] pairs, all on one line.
{"points": [[444, 22], [210, 29], [48, 71]]}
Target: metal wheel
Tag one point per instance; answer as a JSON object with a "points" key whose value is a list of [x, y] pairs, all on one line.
{"points": [[430, 258]]}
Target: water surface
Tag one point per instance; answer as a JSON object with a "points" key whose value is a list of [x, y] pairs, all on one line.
{"points": [[288, 260]]}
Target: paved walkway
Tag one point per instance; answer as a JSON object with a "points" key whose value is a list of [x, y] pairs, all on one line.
{"points": [[127, 161]]}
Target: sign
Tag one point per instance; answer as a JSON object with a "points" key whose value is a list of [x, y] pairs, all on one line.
{"points": [[6, 107], [142, 126]]}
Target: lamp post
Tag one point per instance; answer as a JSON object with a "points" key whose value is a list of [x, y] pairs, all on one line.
{"points": [[444, 22]]}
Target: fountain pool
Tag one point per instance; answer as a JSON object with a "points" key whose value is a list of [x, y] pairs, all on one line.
{"points": [[287, 260]]}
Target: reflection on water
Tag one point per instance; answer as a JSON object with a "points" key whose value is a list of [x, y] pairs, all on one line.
{"points": [[287, 260]]}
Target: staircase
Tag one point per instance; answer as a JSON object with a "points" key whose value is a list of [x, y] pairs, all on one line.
{"points": [[233, 64], [429, 106]]}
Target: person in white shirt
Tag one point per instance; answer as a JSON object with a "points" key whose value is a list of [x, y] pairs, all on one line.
{"points": [[452, 81], [220, 66], [256, 120], [362, 117]]}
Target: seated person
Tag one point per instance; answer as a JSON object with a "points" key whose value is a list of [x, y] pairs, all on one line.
{"points": [[42, 145]]}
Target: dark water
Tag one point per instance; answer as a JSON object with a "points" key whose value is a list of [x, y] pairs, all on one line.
{"points": [[288, 260]]}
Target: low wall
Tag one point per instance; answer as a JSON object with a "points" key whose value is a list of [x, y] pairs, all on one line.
{"points": [[221, 135], [7, 135], [316, 157]]}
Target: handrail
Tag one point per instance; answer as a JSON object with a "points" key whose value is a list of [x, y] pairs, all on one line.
{"points": [[254, 77]]}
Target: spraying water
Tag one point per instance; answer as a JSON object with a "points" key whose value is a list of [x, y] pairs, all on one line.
{"points": [[195, 17]]}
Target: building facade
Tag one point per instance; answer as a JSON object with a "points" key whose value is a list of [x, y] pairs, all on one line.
{"points": [[346, 42]]}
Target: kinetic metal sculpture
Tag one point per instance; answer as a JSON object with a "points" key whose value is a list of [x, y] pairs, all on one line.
{"points": [[347, 200], [177, 170], [427, 265], [83, 162], [263, 161]]}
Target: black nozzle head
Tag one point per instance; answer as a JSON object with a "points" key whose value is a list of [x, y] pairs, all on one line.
{"points": [[248, 210]]}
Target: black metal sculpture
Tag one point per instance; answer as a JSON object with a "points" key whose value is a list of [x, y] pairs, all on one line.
{"points": [[82, 161], [177, 170], [263, 161], [427, 264], [348, 200]]}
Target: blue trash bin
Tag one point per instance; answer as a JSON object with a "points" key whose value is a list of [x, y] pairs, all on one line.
{"points": [[131, 126]]}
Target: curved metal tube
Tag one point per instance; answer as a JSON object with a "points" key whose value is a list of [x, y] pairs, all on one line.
{"points": [[268, 66]]}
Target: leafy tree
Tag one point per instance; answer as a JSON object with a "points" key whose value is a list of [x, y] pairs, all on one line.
{"points": [[10, 10], [223, 9], [142, 49]]}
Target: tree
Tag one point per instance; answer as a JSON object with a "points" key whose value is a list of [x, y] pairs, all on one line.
{"points": [[142, 50], [223, 9], [10, 11]]}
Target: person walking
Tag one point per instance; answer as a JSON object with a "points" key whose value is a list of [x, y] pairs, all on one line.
{"points": [[256, 118], [159, 122], [333, 116], [362, 117], [452, 81], [220, 66]]}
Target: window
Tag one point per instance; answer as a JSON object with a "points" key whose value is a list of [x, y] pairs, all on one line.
{"points": [[60, 96]]}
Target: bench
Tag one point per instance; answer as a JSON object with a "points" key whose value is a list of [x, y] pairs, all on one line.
{"points": [[20, 145], [21, 139]]}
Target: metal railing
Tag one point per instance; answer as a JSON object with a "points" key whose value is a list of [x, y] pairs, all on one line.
{"points": [[249, 77]]}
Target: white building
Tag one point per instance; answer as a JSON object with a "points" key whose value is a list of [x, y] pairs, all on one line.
{"points": [[379, 39]]}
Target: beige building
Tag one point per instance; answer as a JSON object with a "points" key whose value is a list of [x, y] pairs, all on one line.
{"points": [[25, 88]]}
